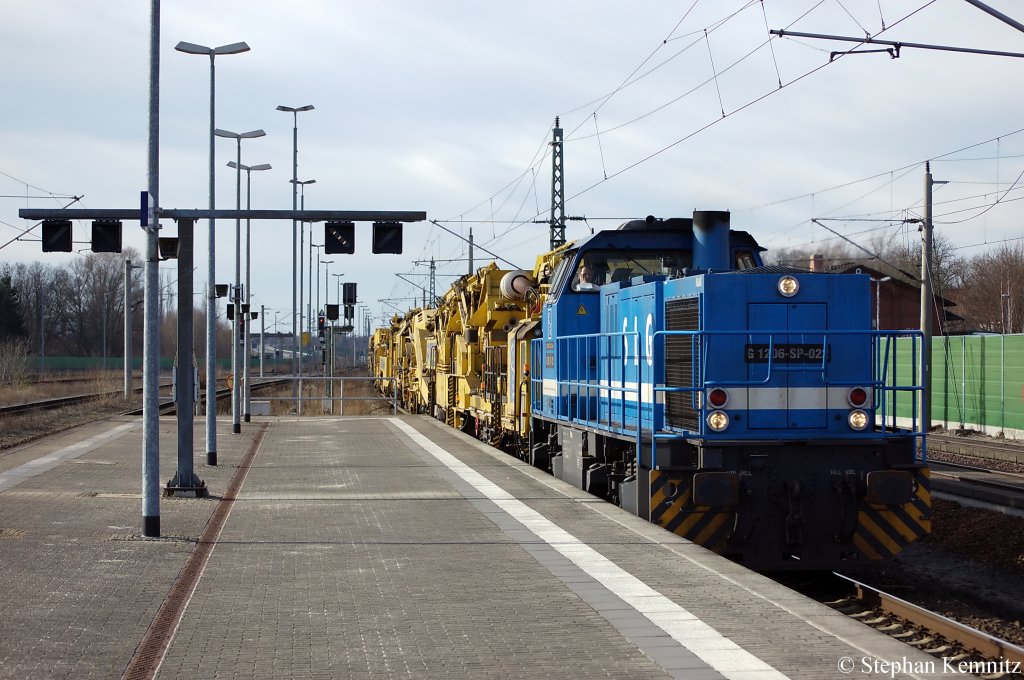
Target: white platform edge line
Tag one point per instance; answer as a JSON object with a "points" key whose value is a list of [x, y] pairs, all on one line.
{"points": [[698, 637], [559, 486], [19, 474]]}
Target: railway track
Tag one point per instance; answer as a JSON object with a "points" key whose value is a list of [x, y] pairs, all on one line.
{"points": [[960, 647], [166, 406], [986, 448], [995, 487], [61, 402], [62, 381]]}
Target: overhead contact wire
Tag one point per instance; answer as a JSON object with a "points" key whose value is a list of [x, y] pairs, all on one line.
{"points": [[770, 45]]}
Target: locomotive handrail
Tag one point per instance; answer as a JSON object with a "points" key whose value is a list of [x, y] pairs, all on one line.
{"points": [[878, 383], [602, 398], [595, 415]]}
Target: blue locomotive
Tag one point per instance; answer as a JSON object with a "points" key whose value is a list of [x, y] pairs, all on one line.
{"points": [[741, 406]]}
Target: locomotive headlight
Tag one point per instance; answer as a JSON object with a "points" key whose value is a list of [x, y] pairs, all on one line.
{"points": [[718, 420], [788, 286], [858, 419]]}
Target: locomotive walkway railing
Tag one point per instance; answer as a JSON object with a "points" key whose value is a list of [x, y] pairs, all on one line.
{"points": [[893, 375], [609, 381]]}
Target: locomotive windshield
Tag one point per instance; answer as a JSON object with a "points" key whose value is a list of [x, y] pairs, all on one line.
{"points": [[598, 267]]}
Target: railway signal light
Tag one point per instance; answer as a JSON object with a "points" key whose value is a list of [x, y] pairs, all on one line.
{"points": [[348, 293], [387, 237], [231, 311], [340, 238], [168, 247], [320, 323], [106, 236], [332, 312], [56, 236]]}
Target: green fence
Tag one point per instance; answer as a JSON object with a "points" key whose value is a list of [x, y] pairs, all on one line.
{"points": [[977, 382]]}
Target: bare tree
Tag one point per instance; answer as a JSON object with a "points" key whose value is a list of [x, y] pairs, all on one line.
{"points": [[992, 298], [892, 257], [832, 253], [904, 257], [42, 308], [13, 361], [93, 292], [78, 309]]}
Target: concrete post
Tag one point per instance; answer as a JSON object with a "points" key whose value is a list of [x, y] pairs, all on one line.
{"points": [[128, 391], [151, 350], [185, 482]]}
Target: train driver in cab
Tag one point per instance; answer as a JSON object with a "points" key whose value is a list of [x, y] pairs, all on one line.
{"points": [[585, 278]]}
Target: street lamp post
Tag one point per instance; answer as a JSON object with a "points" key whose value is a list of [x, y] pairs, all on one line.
{"points": [[263, 336], [337, 297], [330, 333], [128, 386], [338, 291], [248, 281], [211, 273], [236, 385], [311, 246], [302, 276], [327, 276], [295, 255], [878, 300]]}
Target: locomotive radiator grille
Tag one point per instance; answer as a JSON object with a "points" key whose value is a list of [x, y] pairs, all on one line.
{"points": [[682, 362]]}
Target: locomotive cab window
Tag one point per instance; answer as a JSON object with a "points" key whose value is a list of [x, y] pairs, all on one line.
{"points": [[558, 278], [597, 268]]}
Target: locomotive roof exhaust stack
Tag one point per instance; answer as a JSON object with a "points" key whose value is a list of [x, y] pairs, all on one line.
{"points": [[711, 240]]}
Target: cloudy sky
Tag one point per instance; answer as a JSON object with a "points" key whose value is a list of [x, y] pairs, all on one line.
{"points": [[447, 107]]}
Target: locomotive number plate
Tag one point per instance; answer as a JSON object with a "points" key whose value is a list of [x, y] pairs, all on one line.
{"points": [[786, 353]]}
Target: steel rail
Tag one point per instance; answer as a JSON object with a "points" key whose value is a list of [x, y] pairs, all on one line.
{"points": [[970, 638], [168, 406], [60, 402]]}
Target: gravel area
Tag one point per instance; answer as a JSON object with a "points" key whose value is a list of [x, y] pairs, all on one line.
{"points": [[988, 463], [970, 569]]}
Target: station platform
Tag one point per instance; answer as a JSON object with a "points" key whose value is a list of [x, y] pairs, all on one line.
{"points": [[378, 547]]}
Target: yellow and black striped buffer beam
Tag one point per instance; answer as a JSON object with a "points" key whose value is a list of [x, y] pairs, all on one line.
{"points": [[672, 508], [883, 530]]}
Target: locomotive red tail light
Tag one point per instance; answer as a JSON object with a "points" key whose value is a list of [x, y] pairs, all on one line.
{"points": [[858, 397], [718, 398]]}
